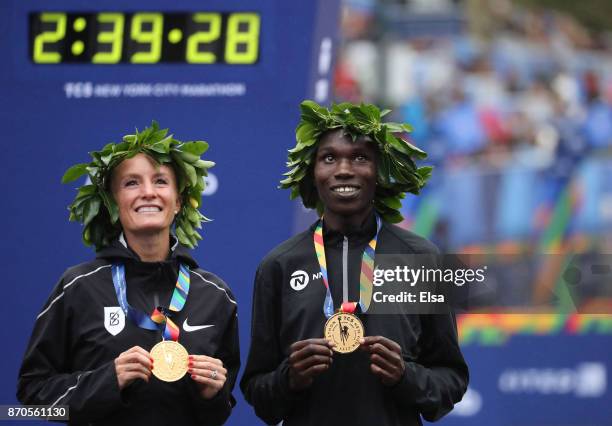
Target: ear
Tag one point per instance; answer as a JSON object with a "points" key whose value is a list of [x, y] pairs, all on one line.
{"points": [[178, 204]]}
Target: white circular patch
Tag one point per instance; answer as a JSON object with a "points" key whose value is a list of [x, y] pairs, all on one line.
{"points": [[299, 280], [212, 184], [470, 405]]}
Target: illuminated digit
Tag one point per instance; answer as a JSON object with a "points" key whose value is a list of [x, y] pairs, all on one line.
{"points": [[114, 37], [200, 37], [152, 36], [241, 47], [40, 56]]}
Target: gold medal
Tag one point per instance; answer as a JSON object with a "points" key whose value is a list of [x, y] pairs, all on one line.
{"points": [[170, 360], [345, 330]]}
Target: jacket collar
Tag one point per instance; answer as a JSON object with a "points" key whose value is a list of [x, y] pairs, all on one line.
{"points": [[173, 242], [120, 251], [356, 237]]}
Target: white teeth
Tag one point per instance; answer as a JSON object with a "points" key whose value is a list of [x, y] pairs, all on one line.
{"points": [[345, 189], [147, 209]]}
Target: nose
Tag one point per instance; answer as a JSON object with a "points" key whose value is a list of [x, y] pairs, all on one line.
{"points": [[147, 190], [344, 169]]}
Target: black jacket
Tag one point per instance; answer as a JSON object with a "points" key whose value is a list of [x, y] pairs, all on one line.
{"points": [[436, 375], [70, 357]]}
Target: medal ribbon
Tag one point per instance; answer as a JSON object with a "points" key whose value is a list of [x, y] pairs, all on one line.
{"points": [[160, 315], [366, 277]]}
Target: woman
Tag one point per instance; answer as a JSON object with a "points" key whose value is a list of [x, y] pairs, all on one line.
{"points": [[96, 344], [396, 365]]}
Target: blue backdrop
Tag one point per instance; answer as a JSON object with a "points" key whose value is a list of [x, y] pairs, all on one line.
{"points": [[52, 115]]}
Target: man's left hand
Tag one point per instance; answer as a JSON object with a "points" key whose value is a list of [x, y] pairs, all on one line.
{"points": [[386, 357]]}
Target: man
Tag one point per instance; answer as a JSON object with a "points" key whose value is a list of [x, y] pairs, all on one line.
{"points": [[354, 170]]}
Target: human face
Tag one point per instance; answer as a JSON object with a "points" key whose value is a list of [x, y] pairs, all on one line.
{"points": [[146, 195], [345, 176]]}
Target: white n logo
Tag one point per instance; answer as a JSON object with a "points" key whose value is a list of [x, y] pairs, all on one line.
{"points": [[299, 280]]}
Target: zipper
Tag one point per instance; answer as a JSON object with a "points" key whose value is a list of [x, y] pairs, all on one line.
{"points": [[345, 244]]}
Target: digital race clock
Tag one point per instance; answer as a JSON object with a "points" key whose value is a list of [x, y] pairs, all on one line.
{"points": [[144, 37]]}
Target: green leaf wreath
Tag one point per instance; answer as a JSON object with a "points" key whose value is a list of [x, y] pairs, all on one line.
{"points": [[397, 171], [95, 207]]}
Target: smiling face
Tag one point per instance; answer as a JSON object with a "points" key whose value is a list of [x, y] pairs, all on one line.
{"points": [[345, 177], [146, 195]]}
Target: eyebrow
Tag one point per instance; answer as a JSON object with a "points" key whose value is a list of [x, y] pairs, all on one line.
{"points": [[356, 150], [134, 175]]}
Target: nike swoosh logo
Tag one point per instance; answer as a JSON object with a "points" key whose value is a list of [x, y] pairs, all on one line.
{"points": [[189, 328]]}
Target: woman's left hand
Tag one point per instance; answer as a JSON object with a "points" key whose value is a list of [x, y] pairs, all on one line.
{"points": [[386, 358], [208, 373]]}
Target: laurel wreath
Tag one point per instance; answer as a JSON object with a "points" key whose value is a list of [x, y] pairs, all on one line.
{"points": [[95, 207], [397, 172]]}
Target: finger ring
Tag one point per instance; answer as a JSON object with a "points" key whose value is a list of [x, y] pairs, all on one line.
{"points": [[213, 375]]}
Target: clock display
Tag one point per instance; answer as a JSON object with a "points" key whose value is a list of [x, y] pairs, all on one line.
{"points": [[144, 37]]}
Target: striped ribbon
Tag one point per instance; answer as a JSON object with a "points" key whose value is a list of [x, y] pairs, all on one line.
{"points": [[365, 278], [160, 315]]}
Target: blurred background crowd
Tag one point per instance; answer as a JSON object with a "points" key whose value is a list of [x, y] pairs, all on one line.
{"points": [[513, 102]]}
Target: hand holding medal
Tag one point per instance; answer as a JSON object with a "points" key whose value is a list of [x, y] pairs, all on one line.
{"points": [[135, 363], [171, 358], [386, 357], [308, 359], [208, 373]]}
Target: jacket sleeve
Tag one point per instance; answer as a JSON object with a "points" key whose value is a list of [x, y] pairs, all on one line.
{"points": [[216, 410], [265, 382], [46, 376], [438, 378]]}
